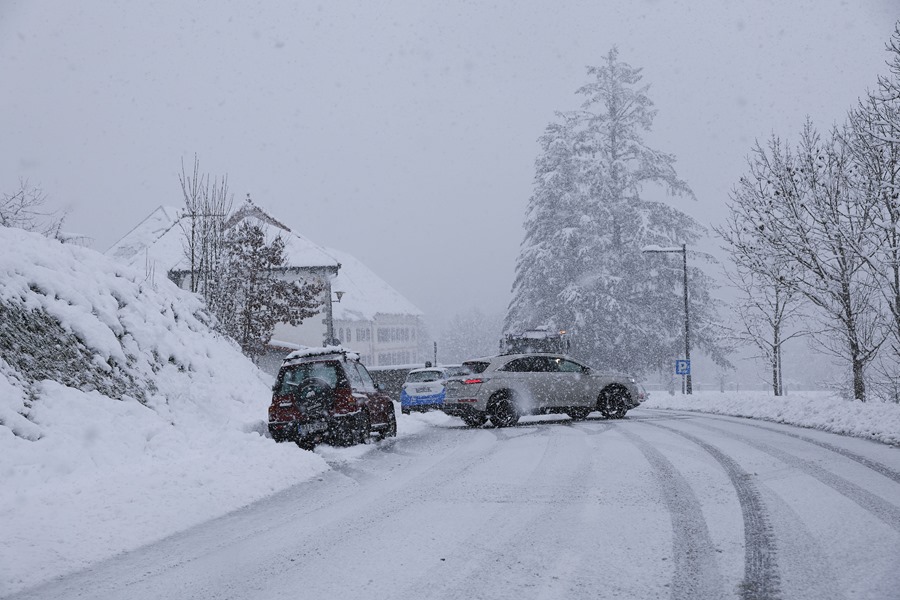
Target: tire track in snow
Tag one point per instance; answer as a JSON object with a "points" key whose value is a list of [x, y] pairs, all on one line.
{"points": [[866, 462], [490, 563], [697, 574], [761, 574], [881, 509]]}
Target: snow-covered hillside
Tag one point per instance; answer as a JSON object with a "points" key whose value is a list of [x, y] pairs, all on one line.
{"points": [[119, 407]]}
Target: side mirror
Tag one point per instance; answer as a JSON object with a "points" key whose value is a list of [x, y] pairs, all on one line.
{"points": [[379, 387]]}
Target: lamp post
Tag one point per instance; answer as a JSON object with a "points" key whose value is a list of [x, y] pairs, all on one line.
{"points": [[329, 316], [687, 317]]}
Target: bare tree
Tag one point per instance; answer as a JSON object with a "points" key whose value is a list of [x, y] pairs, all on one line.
{"points": [[874, 138], [769, 303], [817, 220], [26, 209], [766, 309], [206, 207]]}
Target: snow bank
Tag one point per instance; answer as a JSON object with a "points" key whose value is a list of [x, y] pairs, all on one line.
{"points": [[817, 410], [123, 417]]}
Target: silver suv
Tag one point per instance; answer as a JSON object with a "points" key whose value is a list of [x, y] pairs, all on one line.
{"points": [[504, 388]]}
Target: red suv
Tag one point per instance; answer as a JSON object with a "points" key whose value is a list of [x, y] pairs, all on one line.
{"points": [[327, 395]]}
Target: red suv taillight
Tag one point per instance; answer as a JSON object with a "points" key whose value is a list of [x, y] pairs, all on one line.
{"points": [[282, 408], [283, 401], [474, 380]]}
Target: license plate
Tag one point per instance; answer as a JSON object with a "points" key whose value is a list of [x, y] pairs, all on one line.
{"points": [[423, 390], [314, 427]]}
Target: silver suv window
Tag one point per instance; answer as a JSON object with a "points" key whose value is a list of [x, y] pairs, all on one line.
{"points": [[476, 366], [531, 364], [569, 366]]}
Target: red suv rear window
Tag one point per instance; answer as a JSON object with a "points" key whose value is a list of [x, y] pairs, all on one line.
{"points": [[291, 377]]}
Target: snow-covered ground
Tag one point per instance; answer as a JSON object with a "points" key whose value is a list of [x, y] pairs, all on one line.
{"points": [[817, 410], [86, 476]]}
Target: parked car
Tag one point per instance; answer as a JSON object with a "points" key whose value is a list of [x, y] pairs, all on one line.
{"points": [[326, 394], [504, 388], [424, 388]]}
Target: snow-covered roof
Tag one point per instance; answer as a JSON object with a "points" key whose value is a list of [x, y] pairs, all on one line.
{"points": [[365, 293], [158, 241], [299, 251]]}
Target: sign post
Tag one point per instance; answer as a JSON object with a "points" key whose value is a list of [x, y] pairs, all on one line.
{"points": [[683, 368]]}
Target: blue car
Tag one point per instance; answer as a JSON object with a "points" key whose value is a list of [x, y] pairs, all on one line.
{"points": [[424, 388]]}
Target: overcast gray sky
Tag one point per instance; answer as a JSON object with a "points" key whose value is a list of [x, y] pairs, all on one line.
{"points": [[402, 132]]}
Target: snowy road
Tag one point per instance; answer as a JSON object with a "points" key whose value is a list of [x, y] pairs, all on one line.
{"points": [[660, 505]]}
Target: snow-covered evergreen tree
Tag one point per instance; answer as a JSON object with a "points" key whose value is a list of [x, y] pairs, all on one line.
{"points": [[251, 296], [580, 267]]}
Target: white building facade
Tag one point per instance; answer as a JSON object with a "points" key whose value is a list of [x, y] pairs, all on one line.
{"points": [[373, 318]]}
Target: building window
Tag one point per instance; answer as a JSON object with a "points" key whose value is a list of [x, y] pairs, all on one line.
{"points": [[349, 339], [394, 334], [394, 358], [363, 335]]}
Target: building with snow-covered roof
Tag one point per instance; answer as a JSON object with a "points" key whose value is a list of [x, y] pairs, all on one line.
{"points": [[157, 245], [369, 316]]}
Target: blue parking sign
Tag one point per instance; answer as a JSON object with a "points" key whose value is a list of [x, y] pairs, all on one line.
{"points": [[682, 367]]}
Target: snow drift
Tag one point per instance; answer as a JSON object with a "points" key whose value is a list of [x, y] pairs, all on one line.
{"points": [[118, 405]]}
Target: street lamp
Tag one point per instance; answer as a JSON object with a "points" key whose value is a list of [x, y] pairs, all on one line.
{"points": [[687, 318], [329, 318]]}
